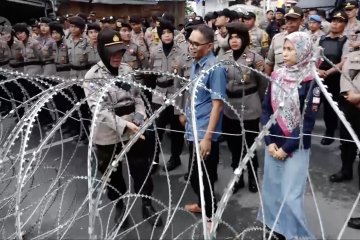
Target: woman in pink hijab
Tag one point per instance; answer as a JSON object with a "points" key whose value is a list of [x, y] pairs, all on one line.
{"points": [[287, 154]]}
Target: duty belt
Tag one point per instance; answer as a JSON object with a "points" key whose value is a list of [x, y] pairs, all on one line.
{"points": [[50, 61], [125, 110], [165, 84], [241, 93], [62, 67], [79, 68], [4, 63], [32, 63]]}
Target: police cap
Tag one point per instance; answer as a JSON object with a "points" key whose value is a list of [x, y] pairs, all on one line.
{"points": [[280, 10], [294, 12], [351, 4], [249, 15], [112, 41], [340, 15]]}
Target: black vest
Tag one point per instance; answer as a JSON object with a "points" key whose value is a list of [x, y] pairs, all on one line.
{"points": [[333, 50]]}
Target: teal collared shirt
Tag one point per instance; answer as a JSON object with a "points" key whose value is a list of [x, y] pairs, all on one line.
{"points": [[216, 81]]}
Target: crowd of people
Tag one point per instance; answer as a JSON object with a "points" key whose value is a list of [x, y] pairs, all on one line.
{"points": [[282, 46]]}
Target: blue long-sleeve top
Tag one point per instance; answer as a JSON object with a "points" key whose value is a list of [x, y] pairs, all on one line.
{"points": [[291, 143]]}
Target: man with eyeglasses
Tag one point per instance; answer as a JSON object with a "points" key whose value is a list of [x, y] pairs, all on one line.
{"points": [[274, 60], [221, 44], [208, 113], [351, 9]]}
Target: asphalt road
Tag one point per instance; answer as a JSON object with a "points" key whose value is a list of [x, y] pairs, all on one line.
{"points": [[63, 211]]}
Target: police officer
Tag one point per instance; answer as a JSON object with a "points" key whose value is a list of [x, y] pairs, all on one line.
{"points": [[315, 29], [5, 53], [31, 52], [246, 88], [269, 17], [16, 61], [137, 34], [275, 26], [61, 51], [168, 57], [349, 103], [334, 45], [114, 130], [274, 58], [48, 47], [78, 48], [352, 28], [134, 55], [92, 32], [108, 22], [221, 43], [259, 39]]}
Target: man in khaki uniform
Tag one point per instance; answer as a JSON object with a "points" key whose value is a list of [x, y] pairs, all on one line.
{"points": [[92, 32], [274, 58], [221, 43], [349, 103], [168, 57], [137, 34], [259, 39]]}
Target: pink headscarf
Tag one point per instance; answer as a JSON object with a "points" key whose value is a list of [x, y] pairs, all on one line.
{"points": [[285, 79]]}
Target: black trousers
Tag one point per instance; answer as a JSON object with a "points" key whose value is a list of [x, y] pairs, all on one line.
{"points": [[211, 163], [349, 149], [177, 138], [235, 142], [330, 117], [138, 165]]}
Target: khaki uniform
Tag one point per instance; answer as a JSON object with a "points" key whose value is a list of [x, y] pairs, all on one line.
{"points": [[94, 57], [33, 58], [17, 59], [275, 54], [348, 149], [111, 128], [351, 69], [48, 48], [350, 30], [152, 38], [141, 42], [62, 60], [135, 57], [159, 62], [78, 53], [245, 86], [259, 41], [180, 101]]}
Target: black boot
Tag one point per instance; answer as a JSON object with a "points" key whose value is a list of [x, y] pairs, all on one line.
{"points": [[251, 180], [119, 213], [149, 211], [327, 140], [239, 184]]}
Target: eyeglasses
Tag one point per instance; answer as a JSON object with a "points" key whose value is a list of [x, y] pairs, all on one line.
{"points": [[196, 44]]}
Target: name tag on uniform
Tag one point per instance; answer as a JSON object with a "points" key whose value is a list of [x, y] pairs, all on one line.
{"points": [[316, 100]]}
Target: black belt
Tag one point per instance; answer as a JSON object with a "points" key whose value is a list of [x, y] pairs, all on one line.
{"points": [[125, 110], [4, 63], [32, 63], [16, 64], [79, 68], [165, 84], [62, 68], [51, 61], [241, 93]]}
